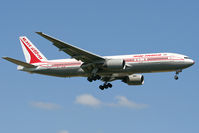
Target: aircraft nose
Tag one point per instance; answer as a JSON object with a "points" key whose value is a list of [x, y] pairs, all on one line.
{"points": [[193, 62], [190, 62]]}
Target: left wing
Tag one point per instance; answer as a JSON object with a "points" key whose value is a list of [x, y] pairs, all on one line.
{"points": [[74, 52]]}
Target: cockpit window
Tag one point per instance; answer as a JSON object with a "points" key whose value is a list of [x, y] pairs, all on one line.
{"points": [[186, 57]]}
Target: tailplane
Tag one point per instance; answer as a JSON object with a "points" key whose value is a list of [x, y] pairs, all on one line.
{"points": [[18, 62], [31, 53]]}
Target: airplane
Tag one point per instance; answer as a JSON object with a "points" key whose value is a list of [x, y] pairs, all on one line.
{"points": [[126, 68]]}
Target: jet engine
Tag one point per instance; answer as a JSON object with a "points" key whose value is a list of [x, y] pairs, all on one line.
{"points": [[114, 64], [134, 79]]}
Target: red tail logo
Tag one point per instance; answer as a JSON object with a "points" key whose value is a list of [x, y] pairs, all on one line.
{"points": [[35, 57]]}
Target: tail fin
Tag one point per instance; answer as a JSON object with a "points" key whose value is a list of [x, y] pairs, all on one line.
{"points": [[31, 53]]}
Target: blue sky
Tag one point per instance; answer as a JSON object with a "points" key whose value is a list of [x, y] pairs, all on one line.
{"points": [[36, 103]]}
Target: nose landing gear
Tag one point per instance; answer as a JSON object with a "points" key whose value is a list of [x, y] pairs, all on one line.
{"points": [[176, 77], [177, 73]]}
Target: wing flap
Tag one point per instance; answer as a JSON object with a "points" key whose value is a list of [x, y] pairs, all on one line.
{"points": [[73, 51], [17, 62]]}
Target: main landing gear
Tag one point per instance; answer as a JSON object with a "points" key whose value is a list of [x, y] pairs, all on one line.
{"points": [[93, 78], [105, 86], [102, 87], [177, 73]]}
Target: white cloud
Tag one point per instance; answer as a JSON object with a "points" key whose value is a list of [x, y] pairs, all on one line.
{"points": [[87, 99], [45, 105], [63, 131], [122, 101]]}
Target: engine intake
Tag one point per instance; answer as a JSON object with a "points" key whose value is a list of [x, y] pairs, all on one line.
{"points": [[114, 64], [134, 79]]}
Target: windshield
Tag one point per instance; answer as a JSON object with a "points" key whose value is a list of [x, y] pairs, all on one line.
{"points": [[186, 57]]}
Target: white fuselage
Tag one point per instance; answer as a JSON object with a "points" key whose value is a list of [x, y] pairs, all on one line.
{"points": [[139, 63]]}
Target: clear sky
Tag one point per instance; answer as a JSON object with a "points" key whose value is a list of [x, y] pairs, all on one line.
{"points": [[40, 104]]}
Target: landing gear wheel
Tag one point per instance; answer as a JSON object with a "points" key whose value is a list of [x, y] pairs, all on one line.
{"points": [[106, 86], [176, 77], [89, 79], [97, 77], [101, 87], [94, 78], [177, 72], [109, 85]]}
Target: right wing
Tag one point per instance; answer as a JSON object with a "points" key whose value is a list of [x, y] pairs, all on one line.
{"points": [[17, 62], [74, 52]]}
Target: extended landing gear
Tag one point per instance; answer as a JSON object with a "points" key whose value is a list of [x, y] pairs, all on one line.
{"points": [[93, 78], [176, 77], [105, 86], [177, 73]]}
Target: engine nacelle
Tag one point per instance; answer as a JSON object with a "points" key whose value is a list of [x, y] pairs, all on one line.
{"points": [[134, 79], [114, 64]]}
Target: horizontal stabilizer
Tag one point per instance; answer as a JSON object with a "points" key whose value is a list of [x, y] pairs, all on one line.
{"points": [[21, 63]]}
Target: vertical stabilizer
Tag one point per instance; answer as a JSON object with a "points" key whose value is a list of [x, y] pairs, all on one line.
{"points": [[31, 53]]}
